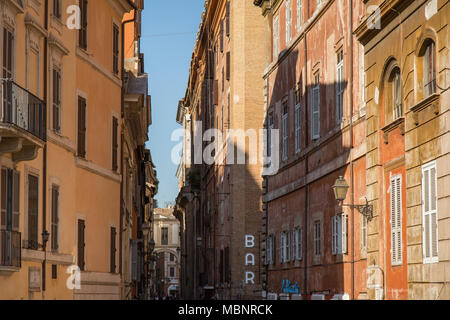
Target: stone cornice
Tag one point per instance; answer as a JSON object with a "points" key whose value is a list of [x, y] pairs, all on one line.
{"points": [[31, 22]]}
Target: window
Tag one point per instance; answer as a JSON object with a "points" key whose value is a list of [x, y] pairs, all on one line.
{"points": [[81, 244], [429, 69], [164, 236], [297, 244], [10, 195], [57, 9], [55, 219], [270, 126], [172, 257], [115, 144], [340, 85], [82, 38], [288, 21], [115, 49], [54, 271], [81, 127], [33, 212], [227, 19], [363, 77], [172, 272], [397, 93], [7, 66], [113, 250], [297, 120], [317, 231], [285, 131], [221, 35], [284, 247], [271, 249], [299, 14], [396, 220], [363, 233], [430, 213], [339, 234], [57, 100], [315, 109], [276, 36]]}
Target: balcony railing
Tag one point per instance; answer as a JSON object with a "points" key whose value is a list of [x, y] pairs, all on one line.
{"points": [[23, 109], [10, 251]]}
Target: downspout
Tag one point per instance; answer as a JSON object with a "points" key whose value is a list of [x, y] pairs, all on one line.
{"points": [[122, 111], [352, 175], [305, 232], [44, 161]]}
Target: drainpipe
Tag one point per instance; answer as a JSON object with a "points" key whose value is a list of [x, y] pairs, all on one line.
{"points": [[122, 107], [44, 161], [305, 232], [352, 174]]}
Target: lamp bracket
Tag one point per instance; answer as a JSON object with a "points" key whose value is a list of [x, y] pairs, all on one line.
{"points": [[366, 209]]}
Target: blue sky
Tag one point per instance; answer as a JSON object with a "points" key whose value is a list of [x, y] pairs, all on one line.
{"points": [[169, 31]]}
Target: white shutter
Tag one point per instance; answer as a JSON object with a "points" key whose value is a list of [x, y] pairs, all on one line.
{"points": [[299, 14], [344, 233], [396, 220], [288, 21], [315, 114], [300, 244], [281, 247], [275, 37], [430, 214], [284, 127], [333, 235], [297, 129]]}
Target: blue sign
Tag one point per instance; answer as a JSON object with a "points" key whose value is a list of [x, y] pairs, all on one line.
{"points": [[290, 288]]}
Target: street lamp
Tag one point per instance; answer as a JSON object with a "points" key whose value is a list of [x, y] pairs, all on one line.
{"points": [[340, 190]]}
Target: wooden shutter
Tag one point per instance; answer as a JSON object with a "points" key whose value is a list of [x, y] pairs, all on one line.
{"points": [[16, 201], [300, 244], [115, 145], [81, 244], [430, 214], [55, 218], [344, 228], [4, 190], [134, 260], [113, 250], [396, 220], [333, 235], [81, 127], [228, 65], [33, 209], [221, 36], [227, 19], [84, 23], [216, 92], [315, 114]]}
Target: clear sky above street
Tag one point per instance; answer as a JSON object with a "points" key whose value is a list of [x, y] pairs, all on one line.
{"points": [[169, 31]]}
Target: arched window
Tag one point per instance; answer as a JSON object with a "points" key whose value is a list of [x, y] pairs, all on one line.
{"points": [[429, 68], [393, 107]]}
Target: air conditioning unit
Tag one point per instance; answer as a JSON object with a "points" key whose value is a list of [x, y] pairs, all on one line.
{"points": [[272, 296], [284, 296]]}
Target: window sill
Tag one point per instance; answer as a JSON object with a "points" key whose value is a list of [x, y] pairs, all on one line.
{"points": [[399, 123], [9, 269]]}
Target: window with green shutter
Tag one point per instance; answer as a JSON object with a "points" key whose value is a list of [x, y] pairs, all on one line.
{"points": [[396, 221]]}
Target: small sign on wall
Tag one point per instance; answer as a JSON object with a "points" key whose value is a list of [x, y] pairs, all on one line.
{"points": [[34, 279]]}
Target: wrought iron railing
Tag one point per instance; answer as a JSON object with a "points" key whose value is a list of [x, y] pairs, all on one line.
{"points": [[23, 109], [10, 250]]}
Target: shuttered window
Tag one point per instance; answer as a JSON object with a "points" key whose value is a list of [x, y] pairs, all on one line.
{"points": [[57, 13], [227, 19], [276, 37], [113, 250], [134, 260], [221, 36], [227, 265], [396, 221], [297, 244], [82, 35], [81, 127], [315, 109], [317, 242], [430, 213], [363, 233], [288, 21], [164, 236], [115, 49], [284, 247], [7, 65], [10, 198], [228, 65], [340, 85], [297, 123], [55, 219], [299, 14], [285, 132], [429, 69], [115, 144], [269, 250], [33, 209], [81, 244], [339, 234], [57, 100]]}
